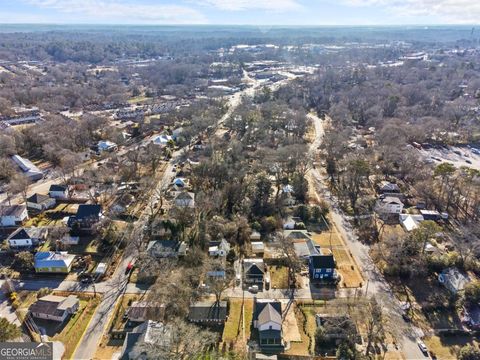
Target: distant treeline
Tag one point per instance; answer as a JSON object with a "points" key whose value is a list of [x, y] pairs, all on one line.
{"points": [[96, 44]]}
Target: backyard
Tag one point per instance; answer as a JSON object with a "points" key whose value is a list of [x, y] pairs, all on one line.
{"points": [[233, 330]]}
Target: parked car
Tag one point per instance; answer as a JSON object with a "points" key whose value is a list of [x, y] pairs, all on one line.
{"points": [[253, 289], [423, 348], [129, 268]]}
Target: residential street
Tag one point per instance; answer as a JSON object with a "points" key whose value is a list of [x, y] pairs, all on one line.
{"points": [[376, 286]]}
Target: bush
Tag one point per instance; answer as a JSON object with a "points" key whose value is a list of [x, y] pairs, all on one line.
{"points": [[43, 292], [472, 292], [469, 353], [16, 304]]}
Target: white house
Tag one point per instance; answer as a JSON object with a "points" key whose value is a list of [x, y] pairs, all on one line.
{"points": [[219, 248], [162, 140], [267, 319], [13, 215], [40, 202], [58, 191], [410, 222], [28, 168], [291, 222], [26, 237], [453, 280], [185, 199], [258, 247], [388, 205]]}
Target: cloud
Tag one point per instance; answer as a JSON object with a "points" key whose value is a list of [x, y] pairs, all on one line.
{"points": [[116, 11], [241, 5], [449, 11]]}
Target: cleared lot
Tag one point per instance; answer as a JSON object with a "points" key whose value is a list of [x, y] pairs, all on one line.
{"points": [[458, 156]]}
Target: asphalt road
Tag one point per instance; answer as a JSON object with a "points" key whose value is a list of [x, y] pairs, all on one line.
{"points": [[377, 286]]}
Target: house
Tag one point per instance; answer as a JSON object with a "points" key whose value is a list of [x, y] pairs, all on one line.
{"points": [[218, 248], [162, 140], [87, 216], [29, 169], [410, 222], [258, 248], [180, 183], [149, 332], [185, 199], [40, 202], [106, 145], [70, 240], [140, 311], [292, 223], [432, 215], [302, 243], [208, 313], [176, 134], [322, 267], [58, 191], [55, 308], [453, 279], [253, 271], [255, 236], [13, 215], [216, 274], [386, 187], [388, 205], [267, 319], [337, 327], [166, 248], [287, 195], [53, 262], [27, 237], [471, 316]]}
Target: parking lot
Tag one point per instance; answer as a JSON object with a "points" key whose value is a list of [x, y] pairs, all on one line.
{"points": [[458, 156]]}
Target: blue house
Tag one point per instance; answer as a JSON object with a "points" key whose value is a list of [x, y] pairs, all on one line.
{"points": [[322, 267]]}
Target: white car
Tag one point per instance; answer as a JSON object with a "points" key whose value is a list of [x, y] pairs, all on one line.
{"points": [[423, 347]]}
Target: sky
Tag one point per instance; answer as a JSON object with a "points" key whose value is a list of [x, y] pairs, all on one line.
{"points": [[242, 12]]}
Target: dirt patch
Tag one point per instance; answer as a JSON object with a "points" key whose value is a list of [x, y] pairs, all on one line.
{"points": [[289, 325]]}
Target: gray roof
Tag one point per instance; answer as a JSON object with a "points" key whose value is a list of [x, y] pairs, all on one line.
{"points": [[269, 313], [12, 210], [38, 198], [53, 305], [208, 311], [28, 233]]}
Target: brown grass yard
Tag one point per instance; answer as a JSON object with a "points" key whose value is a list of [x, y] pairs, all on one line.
{"points": [[446, 348], [323, 239], [74, 330], [232, 332], [351, 276], [278, 277]]}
